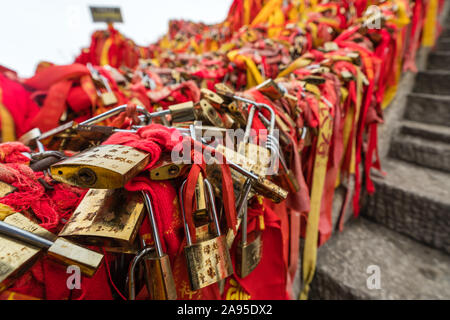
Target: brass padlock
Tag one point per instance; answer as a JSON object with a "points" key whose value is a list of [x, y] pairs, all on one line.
{"points": [[106, 217], [270, 89], [63, 251], [248, 250], [224, 91], [108, 98], [208, 113], [208, 261], [182, 112], [101, 167], [16, 258], [215, 100], [157, 263], [166, 169]]}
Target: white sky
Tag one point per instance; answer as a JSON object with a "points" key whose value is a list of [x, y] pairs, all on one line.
{"points": [[56, 30]]}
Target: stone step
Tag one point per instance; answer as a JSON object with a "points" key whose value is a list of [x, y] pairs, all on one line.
{"points": [[428, 108], [439, 60], [443, 44], [434, 82], [426, 131], [350, 261], [414, 201], [445, 33], [424, 145]]}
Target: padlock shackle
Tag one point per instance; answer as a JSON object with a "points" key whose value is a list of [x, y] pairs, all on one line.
{"points": [[260, 105], [113, 112], [25, 236], [243, 197], [212, 204], [136, 260], [155, 231], [186, 227]]}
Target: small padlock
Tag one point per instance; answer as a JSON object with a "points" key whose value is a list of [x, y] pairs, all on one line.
{"points": [[248, 250], [166, 169], [101, 167], [210, 114], [215, 100], [270, 89], [208, 261], [108, 97], [157, 263]]}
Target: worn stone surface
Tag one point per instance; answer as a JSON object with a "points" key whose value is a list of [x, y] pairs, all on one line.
{"points": [[425, 152], [426, 131], [428, 108], [414, 201], [434, 82], [445, 33], [439, 60], [408, 270], [443, 44]]}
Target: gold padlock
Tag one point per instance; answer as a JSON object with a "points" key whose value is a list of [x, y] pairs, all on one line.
{"points": [[182, 112], [224, 91], [16, 258], [108, 98], [63, 251], [248, 250], [215, 100], [210, 114], [270, 89], [208, 261], [106, 217], [101, 167], [166, 169]]}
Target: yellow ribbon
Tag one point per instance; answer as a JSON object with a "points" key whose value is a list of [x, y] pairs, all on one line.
{"points": [[429, 29], [312, 226]]}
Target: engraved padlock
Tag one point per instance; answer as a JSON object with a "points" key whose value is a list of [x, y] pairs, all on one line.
{"points": [[20, 228], [208, 261], [101, 167], [157, 264]]}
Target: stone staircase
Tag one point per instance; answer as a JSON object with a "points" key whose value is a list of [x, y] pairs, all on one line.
{"points": [[405, 227]]}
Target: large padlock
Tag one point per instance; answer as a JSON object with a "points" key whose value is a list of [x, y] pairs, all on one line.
{"points": [[157, 264], [208, 261], [106, 217], [20, 228], [101, 167]]}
